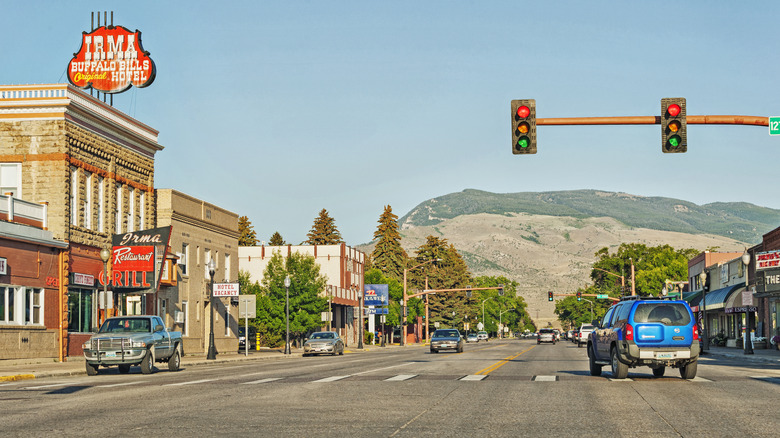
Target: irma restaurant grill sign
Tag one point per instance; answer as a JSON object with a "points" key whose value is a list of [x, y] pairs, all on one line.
{"points": [[110, 60]]}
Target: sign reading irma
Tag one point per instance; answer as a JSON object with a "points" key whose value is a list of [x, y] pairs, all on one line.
{"points": [[136, 260], [110, 60]]}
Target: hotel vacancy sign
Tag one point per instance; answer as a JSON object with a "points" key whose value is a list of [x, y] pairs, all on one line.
{"points": [[111, 60], [225, 289]]}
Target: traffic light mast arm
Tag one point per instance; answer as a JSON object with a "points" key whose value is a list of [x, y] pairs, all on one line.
{"points": [[585, 295], [653, 120], [433, 291]]}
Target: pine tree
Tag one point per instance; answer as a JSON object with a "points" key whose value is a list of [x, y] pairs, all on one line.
{"points": [[388, 255], [247, 234], [277, 240], [324, 231]]}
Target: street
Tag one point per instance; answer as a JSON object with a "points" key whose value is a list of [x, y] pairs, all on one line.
{"points": [[499, 388]]}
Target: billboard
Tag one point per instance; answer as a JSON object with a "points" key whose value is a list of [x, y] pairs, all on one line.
{"points": [[376, 295], [136, 260]]}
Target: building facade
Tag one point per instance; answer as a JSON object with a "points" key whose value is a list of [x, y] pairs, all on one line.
{"points": [[200, 232]]}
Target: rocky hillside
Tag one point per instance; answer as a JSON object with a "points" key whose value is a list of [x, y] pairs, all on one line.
{"points": [[546, 241]]}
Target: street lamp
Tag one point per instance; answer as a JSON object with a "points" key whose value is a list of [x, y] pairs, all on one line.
{"points": [[483, 311], [287, 306], [748, 314], [212, 353], [591, 308], [705, 336], [500, 323], [403, 302], [105, 254], [360, 319]]}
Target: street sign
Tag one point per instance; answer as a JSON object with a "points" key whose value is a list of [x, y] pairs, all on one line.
{"points": [[774, 125], [376, 311], [247, 305], [602, 296], [480, 326]]}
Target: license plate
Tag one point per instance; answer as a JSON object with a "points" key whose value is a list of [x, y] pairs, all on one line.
{"points": [[664, 355], [110, 354]]}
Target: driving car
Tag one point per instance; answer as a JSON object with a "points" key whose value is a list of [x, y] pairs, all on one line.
{"points": [[242, 340], [584, 333], [482, 336], [472, 337], [646, 332], [446, 339], [323, 343], [546, 335]]}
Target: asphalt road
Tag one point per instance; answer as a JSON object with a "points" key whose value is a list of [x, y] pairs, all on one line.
{"points": [[502, 388]]}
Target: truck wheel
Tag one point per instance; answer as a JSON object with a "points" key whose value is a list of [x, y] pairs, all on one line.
{"points": [[147, 364], [619, 369], [595, 369], [688, 371], [92, 370], [175, 360], [659, 372], [124, 368]]}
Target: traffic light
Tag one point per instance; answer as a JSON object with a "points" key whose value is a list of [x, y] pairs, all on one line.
{"points": [[501, 290], [524, 126], [674, 127], [579, 296], [468, 291], [549, 296]]}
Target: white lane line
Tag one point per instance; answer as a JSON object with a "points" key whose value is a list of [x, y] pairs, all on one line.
{"points": [[330, 379], [190, 383], [401, 377], [700, 379], [545, 378], [621, 380], [256, 382], [473, 378], [385, 368], [46, 386], [120, 384]]}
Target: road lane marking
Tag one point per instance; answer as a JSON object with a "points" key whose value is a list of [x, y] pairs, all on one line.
{"points": [[193, 382], [384, 368], [627, 379], [499, 364], [120, 384], [270, 379], [545, 378], [401, 377], [330, 379], [700, 379], [473, 377], [47, 386]]}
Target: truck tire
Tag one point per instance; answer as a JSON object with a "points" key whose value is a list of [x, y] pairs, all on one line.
{"points": [[689, 371], [595, 369], [174, 362], [124, 368], [92, 370], [619, 369], [147, 364]]}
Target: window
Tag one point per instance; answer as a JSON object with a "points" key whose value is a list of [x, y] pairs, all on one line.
{"points": [[11, 179], [227, 321], [131, 210], [206, 260], [185, 249], [74, 191], [101, 204], [87, 204], [185, 308], [119, 210], [227, 266], [141, 210], [21, 305], [80, 310]]}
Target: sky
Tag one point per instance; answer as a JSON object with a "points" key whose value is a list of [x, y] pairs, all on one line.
{"points": [[276, 110]]}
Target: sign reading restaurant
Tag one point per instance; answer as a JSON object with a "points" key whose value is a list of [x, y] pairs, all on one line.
{"points": [[110, 60], [767, 260], [136, 260]]}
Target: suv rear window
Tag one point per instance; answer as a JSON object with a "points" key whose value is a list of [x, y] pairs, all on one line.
{"points": [[546, 331], [665, 313]]}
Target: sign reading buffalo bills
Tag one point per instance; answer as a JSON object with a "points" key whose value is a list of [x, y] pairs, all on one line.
{"points": [[376, 295], [768, 260], [110, 60], [136, 260]]}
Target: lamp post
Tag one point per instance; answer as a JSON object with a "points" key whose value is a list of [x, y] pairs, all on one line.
{"points": [[360, 319], [212, 353], [105, 254], [483, 311], [287, 310], [500, 322], [403, 302], [705, 335], [591, 308], [748, 314]]}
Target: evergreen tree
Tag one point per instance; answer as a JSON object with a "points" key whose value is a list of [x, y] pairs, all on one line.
{"points": [[324, 231], [388, 255], [247, 235], [277, 240]]}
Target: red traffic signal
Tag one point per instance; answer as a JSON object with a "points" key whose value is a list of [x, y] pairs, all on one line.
{"points": [[579, 296], [674, 138], [524, 126]]}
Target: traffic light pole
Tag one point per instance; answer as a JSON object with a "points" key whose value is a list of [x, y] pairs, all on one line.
{"points": [[586, 295], [653, 120]]}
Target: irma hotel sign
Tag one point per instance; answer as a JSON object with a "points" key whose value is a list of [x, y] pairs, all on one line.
{"points": [[768, 272], [110, 60]]}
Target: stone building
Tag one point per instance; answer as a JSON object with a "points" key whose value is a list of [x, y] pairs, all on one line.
{"points": [[94, 168], [200, 232]]}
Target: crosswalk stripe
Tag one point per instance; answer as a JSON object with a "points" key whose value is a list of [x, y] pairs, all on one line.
{"points": [[193, 382], [474, 377], [330, 379], [255, 382], [545, 378], [401, 377]]}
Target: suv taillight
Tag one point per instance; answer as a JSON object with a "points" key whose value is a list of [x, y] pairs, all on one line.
{"points": [[629, 332], [695, 332]]}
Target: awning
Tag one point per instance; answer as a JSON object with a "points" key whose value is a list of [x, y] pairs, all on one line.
{"points": [[717, 298], [735, 304]]}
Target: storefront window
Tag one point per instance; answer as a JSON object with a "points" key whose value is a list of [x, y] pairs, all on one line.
{"points": [[6, 305], [80, 303], [21, 305]]}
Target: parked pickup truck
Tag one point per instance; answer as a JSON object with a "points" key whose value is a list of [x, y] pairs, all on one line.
{"points": [[133, 340]]}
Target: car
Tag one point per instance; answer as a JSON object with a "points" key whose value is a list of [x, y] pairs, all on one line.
{"points": [[557, 334], [583, 333], [646, 332], [574, 333], [546, 335], [569, 334], [242, 341], [472, 337], [323, 343], [482, 336], [446, 339]]}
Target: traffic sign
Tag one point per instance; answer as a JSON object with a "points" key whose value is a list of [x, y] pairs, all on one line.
{"points": [[375, 311], [774, 125], [602, 296]]}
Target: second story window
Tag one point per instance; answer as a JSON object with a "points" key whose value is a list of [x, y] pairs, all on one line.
{"points": [[185, 249], [101, 204], [119, 209], [11, 179], [87, 204], [74, 196], [131, 210]]}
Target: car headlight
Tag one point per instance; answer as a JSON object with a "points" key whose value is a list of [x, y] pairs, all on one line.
{"points": [[137, 344], [87, 345]]}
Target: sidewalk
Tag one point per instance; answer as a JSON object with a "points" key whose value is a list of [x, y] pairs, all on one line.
{"points": [[765, 355]]}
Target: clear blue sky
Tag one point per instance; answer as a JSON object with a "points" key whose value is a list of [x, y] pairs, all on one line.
{"points": [[278, 109]]}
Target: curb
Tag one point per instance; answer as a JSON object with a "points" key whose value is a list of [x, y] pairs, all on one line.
{"points": [[16, 377], [745, 357]]}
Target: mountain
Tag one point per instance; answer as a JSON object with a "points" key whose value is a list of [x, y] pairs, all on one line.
{"points": [[547, 241]]}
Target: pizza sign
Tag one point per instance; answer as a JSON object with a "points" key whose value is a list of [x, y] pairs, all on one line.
{"points": [[110, 60]]}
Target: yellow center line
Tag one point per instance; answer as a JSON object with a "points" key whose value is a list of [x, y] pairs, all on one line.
{"points": [[501, 363]]}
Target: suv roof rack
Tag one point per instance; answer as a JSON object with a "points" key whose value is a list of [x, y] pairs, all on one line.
{"points": [[648, 297]]}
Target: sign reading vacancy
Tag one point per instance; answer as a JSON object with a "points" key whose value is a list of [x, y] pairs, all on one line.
{"points": [[110, 60], [225, 289]]}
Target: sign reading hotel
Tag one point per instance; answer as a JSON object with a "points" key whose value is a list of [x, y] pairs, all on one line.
{"points": [[768, 260], [225, 289], [110, 60]]}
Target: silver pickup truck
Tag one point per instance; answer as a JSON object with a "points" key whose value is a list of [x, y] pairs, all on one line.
{"points": [[133, 340]]}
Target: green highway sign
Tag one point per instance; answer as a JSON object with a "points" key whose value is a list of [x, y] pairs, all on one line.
{"points": [[774, 125], [602, 296]]}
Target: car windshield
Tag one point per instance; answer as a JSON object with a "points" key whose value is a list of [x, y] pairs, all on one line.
{"points": [[323, 335], [446, 334], [139, 325], [545, 331], [587, 327], [665, 313]]}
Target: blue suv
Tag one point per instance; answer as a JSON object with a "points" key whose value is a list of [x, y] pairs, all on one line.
{"points": [[645, 332]]}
